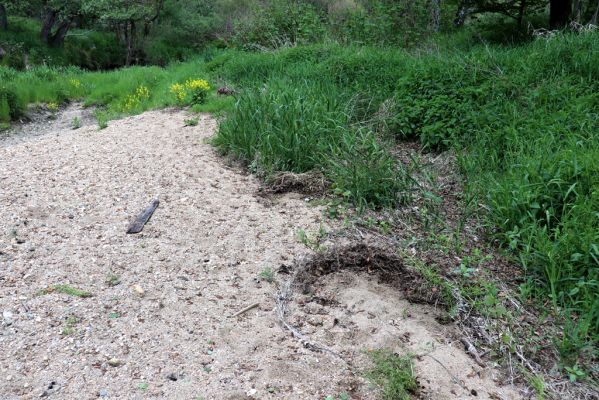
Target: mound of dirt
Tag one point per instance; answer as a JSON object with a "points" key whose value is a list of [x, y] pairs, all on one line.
{"points": [[355, 298]]}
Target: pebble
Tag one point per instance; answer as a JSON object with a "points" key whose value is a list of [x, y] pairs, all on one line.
{"points": [[8, 317], [103, 393], [172, 377], [114, 362], [139, 290]]}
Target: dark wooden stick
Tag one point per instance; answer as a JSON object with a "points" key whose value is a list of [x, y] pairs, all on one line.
{"points": [[138, 223]]}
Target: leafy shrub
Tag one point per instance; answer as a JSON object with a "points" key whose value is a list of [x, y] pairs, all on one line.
{"points": [[280, 23], [192, 92]]}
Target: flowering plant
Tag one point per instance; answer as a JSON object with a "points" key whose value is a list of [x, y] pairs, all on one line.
{"points": [[195, 89]]}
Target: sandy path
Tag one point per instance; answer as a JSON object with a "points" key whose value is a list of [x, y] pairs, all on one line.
{"points": [[66, 201]]}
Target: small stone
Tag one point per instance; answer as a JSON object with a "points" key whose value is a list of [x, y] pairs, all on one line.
{"points": [[103, 393], [251, 392], [8, 317], [172, 377], [114, 362], [139, 290], [9, 378]]}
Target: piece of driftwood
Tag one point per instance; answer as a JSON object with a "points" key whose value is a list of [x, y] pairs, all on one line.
{"points": [[138, 223]]}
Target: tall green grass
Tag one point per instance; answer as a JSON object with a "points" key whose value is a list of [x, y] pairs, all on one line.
{"points": [[301, 127]]}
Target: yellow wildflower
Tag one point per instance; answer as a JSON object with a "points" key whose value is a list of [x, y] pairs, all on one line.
{"points": [[197, 84], [179, 91], [76, 83]]}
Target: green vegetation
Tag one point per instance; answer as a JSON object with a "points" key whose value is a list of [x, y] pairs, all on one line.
{"points": [[88, 49], [393, 374], [523, 121], [192, 121], [267, 274], [70, 325], [121, 92], [112, 280], [65, 289]]}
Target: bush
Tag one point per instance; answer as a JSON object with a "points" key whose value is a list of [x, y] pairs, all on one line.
{"points": [[278, 24], [11, 106]]}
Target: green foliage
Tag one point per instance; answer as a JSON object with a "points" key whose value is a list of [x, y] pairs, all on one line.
{"points": [[65, 289], [301, 127], [363, 171], [523, 121], [401, 23], [267, 274], [279, 23], [191, 121], [393, 374], [11, 107], [84, 48]]}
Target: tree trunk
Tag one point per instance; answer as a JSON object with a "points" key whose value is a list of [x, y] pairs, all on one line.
{"points": [[559, 13], [596, 15], [435, 15], [47, 25], [58, 37], [464, 9], [521, 13], [577, 11], [129, 38], [3, 18]]}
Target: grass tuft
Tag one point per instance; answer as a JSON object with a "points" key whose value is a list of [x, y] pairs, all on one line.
{"points": [[65, 289], [393, 375]]}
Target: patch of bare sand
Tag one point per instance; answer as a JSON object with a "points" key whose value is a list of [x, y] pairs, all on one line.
{"points": [[65, 202]]}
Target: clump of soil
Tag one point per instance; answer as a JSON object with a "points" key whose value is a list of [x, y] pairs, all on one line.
{"points": [[309, 183]]}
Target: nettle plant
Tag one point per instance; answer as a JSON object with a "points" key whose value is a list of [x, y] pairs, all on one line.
{"points": [[193, 91]]}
